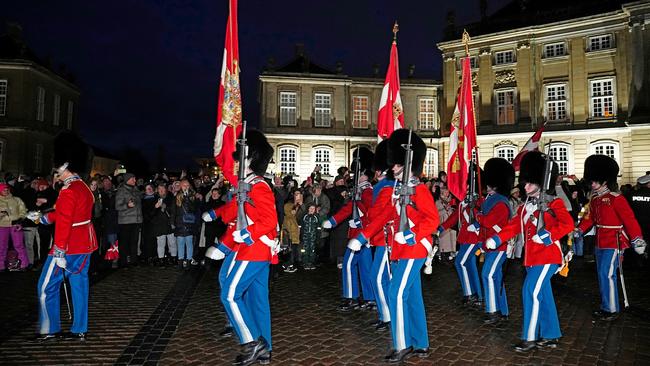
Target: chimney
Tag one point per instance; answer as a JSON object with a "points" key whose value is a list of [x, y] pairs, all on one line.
{"points": [[300, 49], [411, 70], [339, 67]]}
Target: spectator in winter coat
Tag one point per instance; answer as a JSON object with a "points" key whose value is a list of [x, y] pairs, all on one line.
{"points": [[216, 228], [446, 208], [109, 214], [128, 203], [291, 229], [161, 225], [184, 213], [309, 236], [12, 212], [148, 240]]}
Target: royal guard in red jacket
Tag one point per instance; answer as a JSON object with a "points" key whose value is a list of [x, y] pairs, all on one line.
{"points": [[410, 249], [494, 214], [74, 241], [357, 264], [543, 254], [245, 292], [616, 228]]}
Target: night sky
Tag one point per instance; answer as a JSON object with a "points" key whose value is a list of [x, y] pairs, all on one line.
{"points": [[149, 70]]}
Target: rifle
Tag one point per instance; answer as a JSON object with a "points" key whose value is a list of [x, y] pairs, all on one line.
{"points": [[242, 187], [405, 191], [472, 194], [543, 200], [356, 197]]}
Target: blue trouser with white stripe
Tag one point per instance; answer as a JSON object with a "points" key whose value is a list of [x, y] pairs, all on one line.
{"points": [[607, 262], [355, 265], [49, 286], [245, 295], [467, 271], [226, 267], [381, 281], [408, 320], [540, 314], [493, 285]]}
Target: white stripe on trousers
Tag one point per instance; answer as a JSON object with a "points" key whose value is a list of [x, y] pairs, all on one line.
{"points": [[348, 270], [468, 287], [612, 286], [245, 332], [45, 325], [380, 289], [399, 326], [232, 264], [532, 326], [492, 306]]}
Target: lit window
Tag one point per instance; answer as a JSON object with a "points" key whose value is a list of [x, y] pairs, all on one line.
{"points": [[554, 50], [560, 153], [504, 57], [601, 42], [505, 107], [57, 109], [507, 152], [40, 104], [609, 148], [288, 159], [38, 158], [287, 109], [603, 98], [3, 97], [556, 102], [323, 158], [361, 112], [427, 114], [322, 110], [431, 163], [70, 111]]}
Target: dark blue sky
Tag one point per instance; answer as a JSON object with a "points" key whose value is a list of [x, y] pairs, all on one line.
{"points": [[149, 69]]}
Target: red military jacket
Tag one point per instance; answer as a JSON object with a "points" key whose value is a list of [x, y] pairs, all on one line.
{"points": [[494, 215], [73, 230], [381, 214], [462, 214], [364, 204], [262, 222], [614, 221], [558, 222]]}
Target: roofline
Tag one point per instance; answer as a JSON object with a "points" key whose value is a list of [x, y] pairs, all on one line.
{"points": [[22, 64], [347, 80]]}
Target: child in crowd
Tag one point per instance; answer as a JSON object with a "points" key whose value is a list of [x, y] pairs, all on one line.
{"points": [[309, 235]]}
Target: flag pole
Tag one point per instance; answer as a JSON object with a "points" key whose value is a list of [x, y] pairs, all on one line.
{"points": [[466, 38], [395, 30]]}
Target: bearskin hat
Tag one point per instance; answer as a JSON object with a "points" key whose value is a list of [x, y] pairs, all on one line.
{"points": [[260, 151], [533, 165], [69, 148], [601, 168], [397, 153], [366, 158], [380, 161], [499, 174]]}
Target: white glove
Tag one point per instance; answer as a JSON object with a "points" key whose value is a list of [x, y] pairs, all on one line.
{"points": [[490, 243], [354, 245], [352, 224], [327, 224], [206, 217], [474, 227], [510, 250], [236, 235], [34, 216], [428, 268], [214, 253], [639, 245], [60, 261], [399, 237]]}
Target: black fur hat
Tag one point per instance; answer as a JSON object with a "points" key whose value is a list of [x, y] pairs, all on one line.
{"points": [[532, 169], [601, 168], [380, 161], [71, 150], [366, 158], [499, 174], [397, 153], [260, 151]]}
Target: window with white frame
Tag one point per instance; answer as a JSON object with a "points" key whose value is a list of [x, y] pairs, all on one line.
{"points": [[560, 153], [360, 111], [609, 148], [322, 110], [427, 114], [431, 163], [603, 98], [554, 50], [504, 57], [70, 111], [323, 158], [57, 110], [40, 104], [556, 107], [38, 158], [288, 159], [505, 100], [507, 152], [601, 42], [3, 97], [288, 108]]}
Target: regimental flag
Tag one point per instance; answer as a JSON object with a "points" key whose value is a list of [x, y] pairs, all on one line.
{"points": [[229, 108], [531, 145], [391, 112], [462, 139]]}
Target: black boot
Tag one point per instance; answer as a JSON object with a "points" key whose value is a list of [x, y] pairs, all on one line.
{"points": [[547, 343], [605, 315], [251, 352], [45, 338], [398, 356], [348, 304], [79, 337], [382, 326], [525, 346], [492, 318], [226, 332], [421, 352]]}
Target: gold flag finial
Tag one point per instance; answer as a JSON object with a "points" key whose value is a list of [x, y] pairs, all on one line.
{"points": [[466, 40], [395, 30]]}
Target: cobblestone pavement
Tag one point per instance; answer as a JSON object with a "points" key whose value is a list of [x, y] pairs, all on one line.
{"points": [[150, 315]]}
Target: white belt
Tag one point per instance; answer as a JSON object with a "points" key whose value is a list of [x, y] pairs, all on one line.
{"points": [[609, 226], [81, 223]]}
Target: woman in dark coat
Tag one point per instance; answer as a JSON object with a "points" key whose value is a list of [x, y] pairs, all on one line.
{"points": [[185, 214], [148, 246], [213, 229]]}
